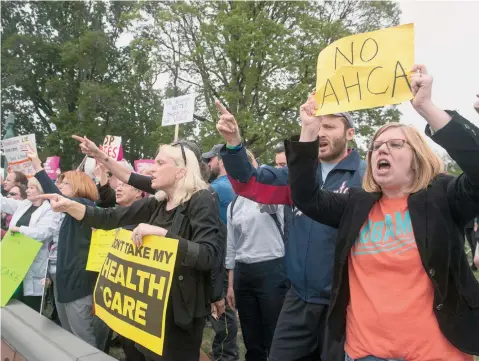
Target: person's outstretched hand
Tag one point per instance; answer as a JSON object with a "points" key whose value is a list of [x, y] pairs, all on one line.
{"points": [[88, 147], [421, 86], [227, 126], [37, 163], [57, 202]]}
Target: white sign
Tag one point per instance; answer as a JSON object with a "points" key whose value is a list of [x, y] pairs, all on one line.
{"points": [[112, 147], [15, 150], [178, 110]]}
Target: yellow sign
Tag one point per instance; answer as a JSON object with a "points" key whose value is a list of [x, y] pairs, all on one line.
{"points": [[131, 294], [365, 70], [100, 245]]}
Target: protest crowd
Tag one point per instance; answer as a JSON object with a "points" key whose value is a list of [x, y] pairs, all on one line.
{"points": [[324, 256]]}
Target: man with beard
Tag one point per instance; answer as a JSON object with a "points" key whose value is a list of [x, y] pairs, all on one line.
{"points": [[301, 331], [225, 324], [218, 179]]}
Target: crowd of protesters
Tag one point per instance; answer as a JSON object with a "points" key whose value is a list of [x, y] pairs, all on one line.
{"points": [[323, 257]]}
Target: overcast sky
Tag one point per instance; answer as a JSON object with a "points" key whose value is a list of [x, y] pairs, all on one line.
{"points": [[447, 42]]}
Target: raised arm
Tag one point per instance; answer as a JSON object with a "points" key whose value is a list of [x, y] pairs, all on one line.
{"points": [[459, 137], [47, 184], [125, 175], [9, 205], [262, 185], [103, 218], [302, 155]]}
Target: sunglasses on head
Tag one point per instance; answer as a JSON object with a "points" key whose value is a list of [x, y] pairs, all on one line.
{"points": [[182, 149]]}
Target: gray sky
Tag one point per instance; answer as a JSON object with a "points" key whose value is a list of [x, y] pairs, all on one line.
{"points": [[447, 42]]}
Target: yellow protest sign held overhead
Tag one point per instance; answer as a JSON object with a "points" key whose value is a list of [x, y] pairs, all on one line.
{"points": [[133, 287], [365, 70], [101, 241]]}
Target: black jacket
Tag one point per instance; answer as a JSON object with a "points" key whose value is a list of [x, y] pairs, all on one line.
{"points": [[72, 278], [438, 216], [202, 242]]}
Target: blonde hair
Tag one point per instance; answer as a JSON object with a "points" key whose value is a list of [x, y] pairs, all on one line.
{"points": [[82, 185], [426, 164], [250, 155], [191, 182], [34, 182]]}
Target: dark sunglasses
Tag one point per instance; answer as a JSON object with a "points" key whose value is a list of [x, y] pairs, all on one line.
{"points": [[182, 149]]}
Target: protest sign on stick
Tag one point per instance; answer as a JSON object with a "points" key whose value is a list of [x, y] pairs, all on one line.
{"points": [[18, 252], [177, 111], [133, 287], [15, 150], [365, 70]]}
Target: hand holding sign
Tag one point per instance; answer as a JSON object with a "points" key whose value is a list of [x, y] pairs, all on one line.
{"points": [[310, 123], [143, 230], [37, 164], [227, 126], [421, 86]]}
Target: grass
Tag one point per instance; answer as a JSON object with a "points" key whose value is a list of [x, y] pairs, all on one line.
{"points": [[208, 336]]}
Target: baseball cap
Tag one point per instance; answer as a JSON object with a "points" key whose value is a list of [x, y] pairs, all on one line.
{"points": [[214, 152], [348, 118]]}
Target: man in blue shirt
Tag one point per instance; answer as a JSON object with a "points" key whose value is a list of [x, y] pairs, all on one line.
{"points": [[225, 345], [219, 180]]}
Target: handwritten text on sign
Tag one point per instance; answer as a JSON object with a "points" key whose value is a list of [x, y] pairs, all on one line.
{"points": [[112, 147], [365, 70], [178, 110], [101, 241], [18, 252], [131, 294], [15, 150]]}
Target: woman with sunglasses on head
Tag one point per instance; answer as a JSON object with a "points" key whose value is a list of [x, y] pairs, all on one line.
{"points": [[125, 174], [402, 286], [180, 188], [72, 284]]}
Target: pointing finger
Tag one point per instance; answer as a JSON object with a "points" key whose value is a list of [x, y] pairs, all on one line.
{"points": [[76, 137], [47, 197], [221, 108]]}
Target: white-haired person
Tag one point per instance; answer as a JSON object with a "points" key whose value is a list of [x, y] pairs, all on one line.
{"points": [[402, 285], [177, 178], [35, 219]]}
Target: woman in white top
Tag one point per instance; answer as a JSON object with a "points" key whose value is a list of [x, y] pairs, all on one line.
{"points": [[34, 219]]}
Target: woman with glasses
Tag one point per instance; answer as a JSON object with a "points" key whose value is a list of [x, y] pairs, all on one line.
{"points": [[18, 192], [35, 219], [72, 284], [201, 235], [402, 285]]}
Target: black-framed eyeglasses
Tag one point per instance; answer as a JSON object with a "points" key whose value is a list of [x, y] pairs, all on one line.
{"points": [[392, 144], [12, 194], [182, 149]]}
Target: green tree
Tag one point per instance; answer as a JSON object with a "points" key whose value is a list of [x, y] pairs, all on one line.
{"points": [[258, 58], [65, 71]]}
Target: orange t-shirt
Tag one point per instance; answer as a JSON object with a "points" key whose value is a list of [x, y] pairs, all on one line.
{"points": [[390, 312]]}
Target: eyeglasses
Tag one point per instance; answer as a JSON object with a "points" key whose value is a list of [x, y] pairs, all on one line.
{"points": [[182, 149], [392, 144], [12, 194]]}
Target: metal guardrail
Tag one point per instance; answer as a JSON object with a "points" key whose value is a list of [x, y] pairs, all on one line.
{"points": [[28, 336]]}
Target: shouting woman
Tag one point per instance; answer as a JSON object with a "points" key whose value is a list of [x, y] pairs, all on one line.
{"points": [[402, 289]]}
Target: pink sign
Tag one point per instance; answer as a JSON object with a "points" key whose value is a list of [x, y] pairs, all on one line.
{"points": [[142, 165], [51, 166]]}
